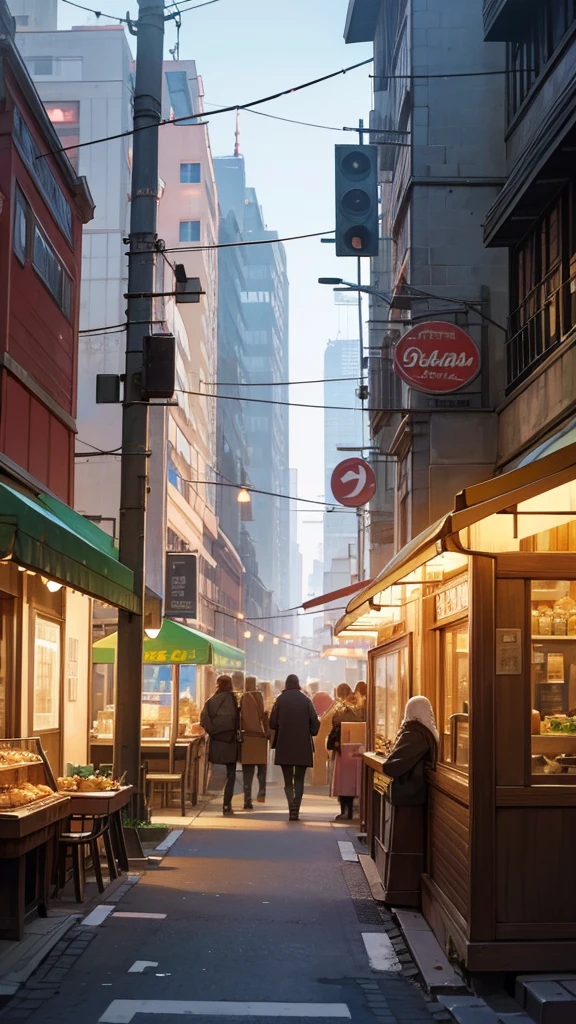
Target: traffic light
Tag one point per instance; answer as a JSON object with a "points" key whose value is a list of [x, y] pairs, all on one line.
{"points": [[356, 200]]}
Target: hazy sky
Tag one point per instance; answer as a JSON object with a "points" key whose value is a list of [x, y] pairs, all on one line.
{"points": [[245, 49]]}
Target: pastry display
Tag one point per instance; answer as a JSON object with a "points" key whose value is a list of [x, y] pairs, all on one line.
{"points": [[92, 784], [22, 794], [11, 758]]}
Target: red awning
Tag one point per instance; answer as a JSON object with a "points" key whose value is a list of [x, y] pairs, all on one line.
{"points": [[335, 595]]}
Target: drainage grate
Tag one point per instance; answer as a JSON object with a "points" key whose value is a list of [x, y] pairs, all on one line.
{"points": [[366, 909]]}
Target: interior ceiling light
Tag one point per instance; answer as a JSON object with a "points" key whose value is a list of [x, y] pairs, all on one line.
{"points": [[21, 568], [152, 633], [53, 587]]}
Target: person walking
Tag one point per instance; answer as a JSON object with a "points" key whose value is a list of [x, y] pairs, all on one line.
{"points": [[220, 718], [294, 721], [346, 765], [254, 749]]}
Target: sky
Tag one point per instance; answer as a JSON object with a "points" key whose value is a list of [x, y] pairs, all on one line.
{"points": [[245, 49]]}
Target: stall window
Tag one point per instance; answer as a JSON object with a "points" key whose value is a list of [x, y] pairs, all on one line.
{"points": [[46, 704], [553, 677], [157, 702], [455, 687], [390, 671]]}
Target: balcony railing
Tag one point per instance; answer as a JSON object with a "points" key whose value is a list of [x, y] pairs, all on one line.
{"points": [[541, 323]]}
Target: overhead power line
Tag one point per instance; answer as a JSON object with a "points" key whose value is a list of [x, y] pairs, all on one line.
{"points": [[99, 14], [273, 401], [277, 383], [454, 74], [256, 241], [222, 110]]}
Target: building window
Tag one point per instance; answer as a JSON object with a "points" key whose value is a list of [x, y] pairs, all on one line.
{"points": [[544, 28], [22, 20], [190, 174], [66, 120], [189, 230], [543, 289], [67, 69], [46, 710], [50, 269], [20, 230], [40, 171]]}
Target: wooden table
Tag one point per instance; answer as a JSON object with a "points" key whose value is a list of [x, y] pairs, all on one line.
{"points": [[101, 805]]}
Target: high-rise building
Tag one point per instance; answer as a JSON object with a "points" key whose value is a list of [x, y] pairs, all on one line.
{"points": [[264, 298], [294, 553], [342, 428]]}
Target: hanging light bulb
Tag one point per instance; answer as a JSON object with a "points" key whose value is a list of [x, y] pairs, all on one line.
{"points": [[275, 641], [260, 637], [21, 568], [243, 496], [247, 634], [240, 616], [53, 587], [152, 633]]}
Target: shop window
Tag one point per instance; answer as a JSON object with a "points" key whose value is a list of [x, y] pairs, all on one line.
{"points": [[553, 677], [46, 694], [455, 687], [190, 174], [391, 681], [157, 702], [189, 231], [50, 269]]}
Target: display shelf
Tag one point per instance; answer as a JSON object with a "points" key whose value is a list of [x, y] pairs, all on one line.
{"points": [[552, 637]]}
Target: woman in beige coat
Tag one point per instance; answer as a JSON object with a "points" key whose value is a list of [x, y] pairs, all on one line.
{"points": [[254, 728]]}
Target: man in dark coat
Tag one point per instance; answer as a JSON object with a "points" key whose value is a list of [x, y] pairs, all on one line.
{"points": [[221, 719], [294, 722]]}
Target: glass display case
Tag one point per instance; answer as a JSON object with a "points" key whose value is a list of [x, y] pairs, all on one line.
{"points": [[160, 685], [553, 677], [455, 695]]}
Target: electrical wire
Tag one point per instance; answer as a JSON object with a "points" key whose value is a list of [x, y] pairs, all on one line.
{"points": [[235, 245], [273, 401], [257, 490], [278, 383], [194, 7], [261, 629], [99, 14], [451, 74], [221, 110], [289, 120]]}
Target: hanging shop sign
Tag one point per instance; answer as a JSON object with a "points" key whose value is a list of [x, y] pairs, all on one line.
{"points": [[353, 482], [437, 358], [181, 585]]}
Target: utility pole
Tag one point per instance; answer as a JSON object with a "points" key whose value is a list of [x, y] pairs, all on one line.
{"points": [[134, 464], [360, 517]]}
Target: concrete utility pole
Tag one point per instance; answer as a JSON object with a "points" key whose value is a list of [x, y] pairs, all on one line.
{"points": [[134, 471]]}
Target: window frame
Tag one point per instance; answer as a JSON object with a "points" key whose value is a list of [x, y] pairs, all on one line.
{"points": [[57, 681], [63, 295], [22, 204], [191, 181], [181, 225]]}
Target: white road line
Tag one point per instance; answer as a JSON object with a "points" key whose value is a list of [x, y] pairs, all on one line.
{"points": [[347, 851], [381, 955], [170, 840], [139, 966], [123, 1011], [98, 915], [125, 913]]}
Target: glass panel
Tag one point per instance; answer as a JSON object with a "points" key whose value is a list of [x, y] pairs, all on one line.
{"points": [[391, 691], [190, 174], [553, 677], [157, 701], [455, 672], [20, 234], [46, 709], [102, 702], [188, 710]]}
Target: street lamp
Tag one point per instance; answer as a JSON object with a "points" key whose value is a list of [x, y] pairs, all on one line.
{"points": [[243, 496]]}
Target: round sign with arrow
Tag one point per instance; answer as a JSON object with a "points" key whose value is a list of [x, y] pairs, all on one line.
{"points": [[353, 482]]}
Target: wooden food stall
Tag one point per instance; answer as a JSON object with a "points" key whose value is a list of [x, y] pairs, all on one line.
{"points": [[478, 613], [171, 703], [30, 810]]}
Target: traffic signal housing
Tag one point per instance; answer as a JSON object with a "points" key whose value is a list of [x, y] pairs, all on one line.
{"points": [[356, 200]]}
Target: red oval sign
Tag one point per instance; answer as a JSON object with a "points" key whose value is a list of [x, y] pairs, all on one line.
{"points": [[437, 358], [353, 482]]}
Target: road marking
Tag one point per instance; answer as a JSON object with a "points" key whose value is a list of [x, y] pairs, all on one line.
{"points": [[139, 966], [125, 913], [123, 1011], [381, 955], [347, 851], [97, 916], [171, 838]]}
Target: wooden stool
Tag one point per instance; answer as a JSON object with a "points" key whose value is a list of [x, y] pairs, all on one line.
{"points": [[171, 779]]}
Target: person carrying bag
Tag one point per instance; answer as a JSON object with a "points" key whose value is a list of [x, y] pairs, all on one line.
{"points": [[254, 750]]}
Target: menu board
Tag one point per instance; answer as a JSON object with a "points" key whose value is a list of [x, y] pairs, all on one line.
{"points": [[551, 698]]}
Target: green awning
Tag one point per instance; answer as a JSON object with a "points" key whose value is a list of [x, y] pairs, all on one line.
{"points": [[50, 538], [176, 645]]}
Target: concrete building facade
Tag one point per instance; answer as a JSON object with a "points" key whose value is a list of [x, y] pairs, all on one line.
{"points": [[440, 133], [341, 428]]}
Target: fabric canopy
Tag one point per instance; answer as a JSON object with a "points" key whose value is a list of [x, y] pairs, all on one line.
{"points": [[175, 645], [48, 537]]}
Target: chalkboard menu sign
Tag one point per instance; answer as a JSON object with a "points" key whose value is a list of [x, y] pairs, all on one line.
{"points": [[181, 585], [552, 698]]}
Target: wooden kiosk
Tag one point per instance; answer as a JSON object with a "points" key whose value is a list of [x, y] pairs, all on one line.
{"points": [[479, 614]]}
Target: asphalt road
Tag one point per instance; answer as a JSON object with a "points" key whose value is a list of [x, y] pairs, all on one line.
{"points": [[258, 910]]}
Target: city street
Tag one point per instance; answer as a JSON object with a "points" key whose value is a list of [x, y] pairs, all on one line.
{"points": [[250, 910]]}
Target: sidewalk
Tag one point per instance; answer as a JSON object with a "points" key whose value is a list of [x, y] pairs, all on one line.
{"points": [[248, 916]]}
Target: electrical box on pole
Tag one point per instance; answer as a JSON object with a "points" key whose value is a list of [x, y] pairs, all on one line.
{"points": [[356, 200]]}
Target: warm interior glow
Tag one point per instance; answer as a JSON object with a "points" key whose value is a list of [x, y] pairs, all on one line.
{"points": [[152, 633], [247, 634], [243, 496], [53, 587]]}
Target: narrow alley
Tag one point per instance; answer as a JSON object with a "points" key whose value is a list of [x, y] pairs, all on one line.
{"points": [[250, 916]]}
